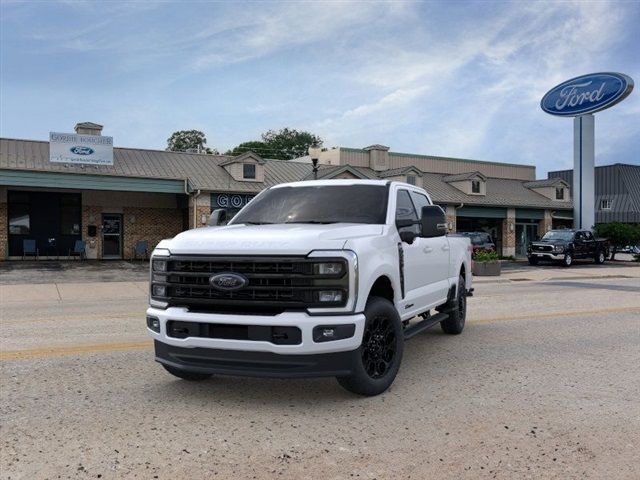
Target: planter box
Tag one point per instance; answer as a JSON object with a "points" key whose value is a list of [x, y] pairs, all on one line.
{"points": [[486, 269]]}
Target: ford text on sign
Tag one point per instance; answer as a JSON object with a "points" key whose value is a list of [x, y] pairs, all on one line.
{"points": [[80, 149], [587, 94]]}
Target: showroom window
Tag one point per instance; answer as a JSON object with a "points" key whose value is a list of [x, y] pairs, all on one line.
{"points": [[19, 217], [70, 214]]}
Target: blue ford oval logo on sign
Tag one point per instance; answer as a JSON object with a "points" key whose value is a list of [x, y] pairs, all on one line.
{"points": [[587, 94], [228, 281], [81, 150]]}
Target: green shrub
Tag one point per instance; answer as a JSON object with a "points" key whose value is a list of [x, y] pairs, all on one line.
{"points": [[483, 256]]}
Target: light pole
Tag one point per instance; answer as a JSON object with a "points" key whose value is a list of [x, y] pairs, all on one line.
{"points": [[314, 153]]}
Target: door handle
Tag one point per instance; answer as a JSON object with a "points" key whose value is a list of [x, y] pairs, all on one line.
{"points": [[445, 248], [427, 249]]}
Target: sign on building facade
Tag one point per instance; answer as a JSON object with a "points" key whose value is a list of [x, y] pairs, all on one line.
{"points": [[80, 149]]}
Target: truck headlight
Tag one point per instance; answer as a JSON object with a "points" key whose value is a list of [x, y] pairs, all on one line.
{"points": [[158, 291], [330, 296], [328, 268], [159, 265]]}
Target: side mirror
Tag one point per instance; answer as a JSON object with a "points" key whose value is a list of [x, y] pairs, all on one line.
{"points": [[218, 217], [433, 221]]}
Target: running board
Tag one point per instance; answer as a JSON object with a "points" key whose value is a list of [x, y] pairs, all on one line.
{"points": [[413, 330]]}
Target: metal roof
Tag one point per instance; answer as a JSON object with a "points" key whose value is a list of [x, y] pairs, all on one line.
{"points": [[205, 172], [547, 182], [463, 176]]}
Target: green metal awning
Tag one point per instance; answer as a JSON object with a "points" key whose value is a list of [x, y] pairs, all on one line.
{"points": [[482, 212], [25, 178], [530, 213]]}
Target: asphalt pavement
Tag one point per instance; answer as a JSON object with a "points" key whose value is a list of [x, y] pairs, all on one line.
{"points": [[543, 383]]}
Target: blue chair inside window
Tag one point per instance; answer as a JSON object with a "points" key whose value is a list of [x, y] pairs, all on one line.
{"points": [[29, 248], [141, 248], [79, 249]]}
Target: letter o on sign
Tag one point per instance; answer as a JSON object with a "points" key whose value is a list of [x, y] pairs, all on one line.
{"points": [[236, 201]]}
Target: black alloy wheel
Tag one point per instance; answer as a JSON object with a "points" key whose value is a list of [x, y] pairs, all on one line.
{"points": [[378, 346]]}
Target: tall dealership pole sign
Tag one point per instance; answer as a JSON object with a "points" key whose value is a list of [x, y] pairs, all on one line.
{"points": [[580, 98]]}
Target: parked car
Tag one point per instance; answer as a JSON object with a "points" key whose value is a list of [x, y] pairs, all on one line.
{"points": [[305, 282], [565, 246], [480, 241]]}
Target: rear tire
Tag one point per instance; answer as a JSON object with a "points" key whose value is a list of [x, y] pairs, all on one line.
{"points": [[455, 323], [568, 260], [600, 257], [185, 375], [376, 362]]}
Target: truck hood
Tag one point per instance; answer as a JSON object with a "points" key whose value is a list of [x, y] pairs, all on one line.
{"points": [[292, 239]]}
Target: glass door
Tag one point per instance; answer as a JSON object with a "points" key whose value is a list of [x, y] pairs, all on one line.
{"points": [[112, 235], [525, 233]]}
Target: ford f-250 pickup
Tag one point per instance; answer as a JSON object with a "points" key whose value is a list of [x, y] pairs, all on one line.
{"points": [[315, 278]]}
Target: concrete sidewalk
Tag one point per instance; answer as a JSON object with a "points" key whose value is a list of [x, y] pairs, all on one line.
{"points": [[71, 292]]}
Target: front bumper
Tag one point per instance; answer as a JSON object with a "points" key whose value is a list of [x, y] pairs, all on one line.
{"points": [[254, 364], [301, 320], [546, 256]]}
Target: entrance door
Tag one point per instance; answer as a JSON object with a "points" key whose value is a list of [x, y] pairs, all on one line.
{"points": [[112, 235], [525, 233]]}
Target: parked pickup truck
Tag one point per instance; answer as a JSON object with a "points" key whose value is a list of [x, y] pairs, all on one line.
{"points": [[567, 245], [315, 278]]}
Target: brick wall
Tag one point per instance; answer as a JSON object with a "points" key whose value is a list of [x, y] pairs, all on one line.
{"points": [[545, 224], [151, 224], [202, 207], [509, 233]]}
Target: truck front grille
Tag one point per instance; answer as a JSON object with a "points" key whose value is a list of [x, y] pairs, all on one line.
{"points": [[543, 248], [281, 282]]}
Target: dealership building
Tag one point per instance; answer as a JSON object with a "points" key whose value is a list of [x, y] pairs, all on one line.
{"points": [[78, 187]]}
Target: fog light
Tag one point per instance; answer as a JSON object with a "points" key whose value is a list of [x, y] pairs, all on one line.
{"points": [[332, 268], [332, 296], [159, 291], [159, 265], [328, 333], [154, 324]]}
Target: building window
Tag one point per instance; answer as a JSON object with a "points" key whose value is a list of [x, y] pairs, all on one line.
{"points": [[70, 214], [249, 170], [19, 219], [559, 193], [605, 204], [475, 186], [411, 179]]}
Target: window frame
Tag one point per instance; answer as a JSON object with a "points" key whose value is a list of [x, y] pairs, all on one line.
{"points": [[559, 193], [478, 183], [244, 171], [607, 202]]}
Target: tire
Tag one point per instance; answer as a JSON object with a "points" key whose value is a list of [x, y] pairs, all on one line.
{"points": [[455, 323], [568, 260], [600, 257], [532, 260], [186, 375], [376, 362]]}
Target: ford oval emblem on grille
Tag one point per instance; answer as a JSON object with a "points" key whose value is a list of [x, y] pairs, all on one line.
{"points": [[228, 281]]}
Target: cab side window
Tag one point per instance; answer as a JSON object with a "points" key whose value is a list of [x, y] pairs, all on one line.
{"points": [[405, 211]]}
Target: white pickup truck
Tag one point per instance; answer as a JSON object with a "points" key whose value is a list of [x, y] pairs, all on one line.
{"points": [[315, 278]]}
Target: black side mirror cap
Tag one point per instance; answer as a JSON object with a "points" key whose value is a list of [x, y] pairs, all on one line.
{"points": [[218, 217], [433, 221], [408, 236]]}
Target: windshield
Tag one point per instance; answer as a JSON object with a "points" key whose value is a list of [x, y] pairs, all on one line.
{"points": [[317, 204], [557, 235]]}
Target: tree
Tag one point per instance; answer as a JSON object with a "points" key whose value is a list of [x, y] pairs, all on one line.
{"points": [[284, 144], [289, 143], [255, 146], [619, 234], [184, 140]]}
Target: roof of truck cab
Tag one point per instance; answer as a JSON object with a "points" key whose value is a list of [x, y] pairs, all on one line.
{"points": [[332, 183]]}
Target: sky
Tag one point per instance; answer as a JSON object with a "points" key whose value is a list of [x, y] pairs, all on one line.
{"points": [[451, 78]]}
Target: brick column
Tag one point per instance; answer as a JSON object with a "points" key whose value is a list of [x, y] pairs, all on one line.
{"points": [[545, 224], [91, 215], [451, 218], [4, 227], [509, 233], [202, 205]]}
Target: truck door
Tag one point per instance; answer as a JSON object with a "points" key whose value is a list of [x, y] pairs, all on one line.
{"points": [[423, 262]]}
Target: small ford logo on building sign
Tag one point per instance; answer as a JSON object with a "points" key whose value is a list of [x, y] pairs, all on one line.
{"points": [[228, 281], [82, 150]]}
